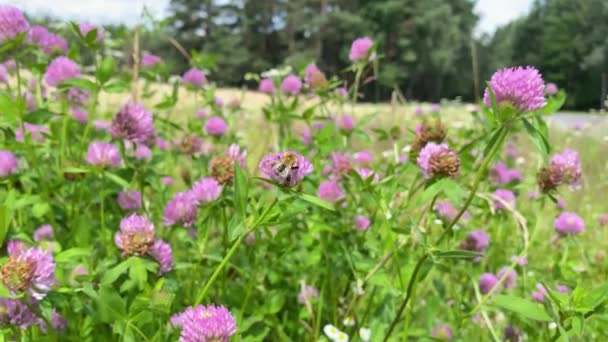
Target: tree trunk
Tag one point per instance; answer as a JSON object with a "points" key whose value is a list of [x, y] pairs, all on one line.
{"points": [[208, 19], [439, 87], [318, 43], [291, 27], [475, 66]]}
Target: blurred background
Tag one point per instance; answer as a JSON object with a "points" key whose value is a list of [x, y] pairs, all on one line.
{"points": [[429, 50]]}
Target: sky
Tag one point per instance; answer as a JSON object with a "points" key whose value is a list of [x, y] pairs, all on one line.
{"points": [[493, 12]]}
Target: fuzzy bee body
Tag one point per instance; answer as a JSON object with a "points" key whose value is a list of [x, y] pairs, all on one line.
{"points": [[284, 165]]}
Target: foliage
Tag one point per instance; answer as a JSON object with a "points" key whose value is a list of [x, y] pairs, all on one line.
{"points": [[564, 39]]}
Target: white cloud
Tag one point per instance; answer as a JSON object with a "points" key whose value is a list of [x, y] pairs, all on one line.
{"points": [[494, 13], [95, 11]]}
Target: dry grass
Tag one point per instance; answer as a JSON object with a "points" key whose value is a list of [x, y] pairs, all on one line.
{"points": [[258, 136], [252, 128]]}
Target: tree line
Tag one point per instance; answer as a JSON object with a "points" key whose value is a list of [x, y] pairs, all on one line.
{"points": [[427, 50]]}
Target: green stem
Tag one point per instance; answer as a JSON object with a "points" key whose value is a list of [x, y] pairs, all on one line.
{"points": [[356, 85], [367, 310], [225, 245], [249, 290], [414, 188], [92, 114], [102, 216], [480, 172], [410, 289], [141, 179], [26, 140], [414, 278], [18, 72], [325, 289], [220, 267], [64, 132], [396, 151], [406, 324], [49, 326]]}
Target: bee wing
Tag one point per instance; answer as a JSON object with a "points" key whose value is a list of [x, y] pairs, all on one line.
{"points": [[285, 172]]}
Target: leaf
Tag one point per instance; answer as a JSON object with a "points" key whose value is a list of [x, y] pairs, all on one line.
{"points": [[81, 83], [487, 112], [166, 103], [39, 116], [492, 100], [453, 190], [91, 37], [169, 123], [175, 91], [8, 108], [143, 317], [366, 119], [5, 220], [248, 322], [72, 169], [523, 307], [138, 272], [105, 69], [586, 300], [578, 325], [268, 181], [89, 291], [308, 113], [493, 140], [267, 214], [236, 227], [554, 103], [316, 201], [537, 137], [458, 254], [395, 131], [74, 52], [11, 44], [116, 87], [563, 334], [110, 306], [241, 188], [25, 201], [431, 191], [114, 273], [542, 125], [382, 135], [117, 179], [76, 29], [69, 255], [40, 209], [274, 302], [407, 230], [4, 292]]}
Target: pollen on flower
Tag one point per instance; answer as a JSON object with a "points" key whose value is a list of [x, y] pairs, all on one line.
{"points": [[29, 270], [16, 275]]}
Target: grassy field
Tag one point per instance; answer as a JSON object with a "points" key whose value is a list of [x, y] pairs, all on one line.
{"points": [[576, 130], [589, 138], [582, 257]]}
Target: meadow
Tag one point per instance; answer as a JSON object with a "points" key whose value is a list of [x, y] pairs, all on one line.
{"points": [[140, 207]]}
